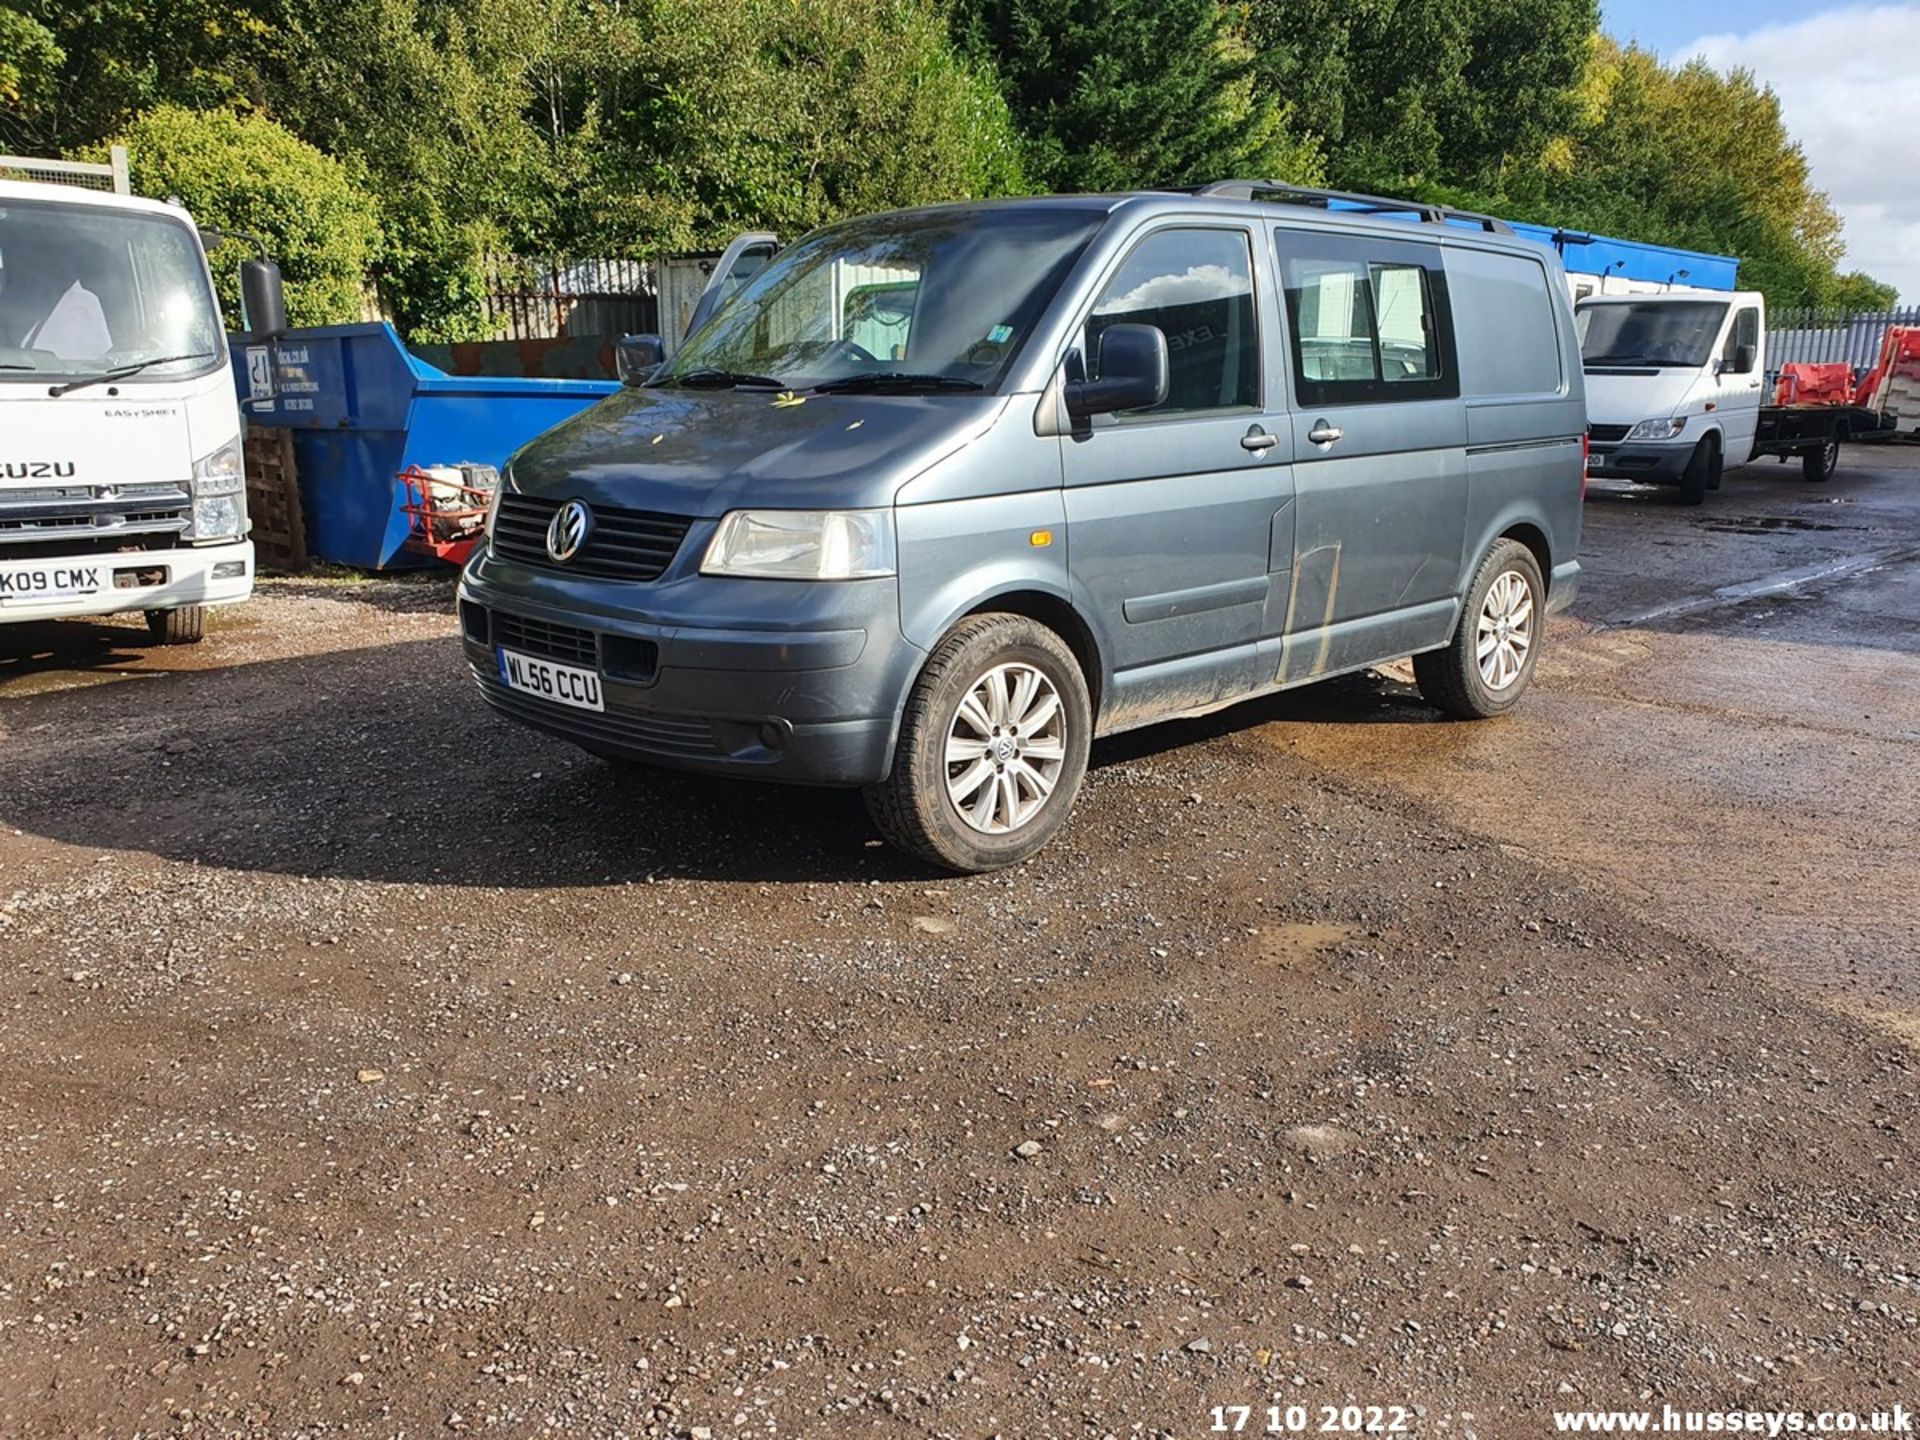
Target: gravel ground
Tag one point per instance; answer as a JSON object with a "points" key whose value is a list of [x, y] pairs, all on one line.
{"points": [[377, 1068]]}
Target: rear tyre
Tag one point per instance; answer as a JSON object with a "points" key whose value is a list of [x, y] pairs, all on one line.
{"points": [[993, 747], [1694, 479], [185, 626], [1488, 665], [1818, 465]]}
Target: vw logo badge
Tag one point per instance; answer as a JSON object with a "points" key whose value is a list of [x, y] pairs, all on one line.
{"points": [[568, 530]]}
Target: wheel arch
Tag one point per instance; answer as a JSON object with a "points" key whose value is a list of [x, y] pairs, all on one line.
{"points": [[1058, 614]]}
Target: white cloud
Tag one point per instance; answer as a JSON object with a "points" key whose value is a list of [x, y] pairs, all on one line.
{"points": [[1847, 91], [1196, 284]]}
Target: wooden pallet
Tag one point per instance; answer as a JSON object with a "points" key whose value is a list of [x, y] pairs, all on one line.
{"points": [[273, 499]]}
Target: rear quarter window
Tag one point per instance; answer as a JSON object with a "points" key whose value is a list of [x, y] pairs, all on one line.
{"points": [[1503, 318]]}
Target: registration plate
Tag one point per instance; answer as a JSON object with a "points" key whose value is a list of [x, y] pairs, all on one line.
{"points": [[50, 582], [562, 684]]}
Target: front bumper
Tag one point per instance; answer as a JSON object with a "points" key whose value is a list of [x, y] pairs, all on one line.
{"points": [[140, 580], [774, 680], [1649, 463]]}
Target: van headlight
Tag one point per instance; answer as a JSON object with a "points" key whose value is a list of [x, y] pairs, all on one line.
{"points": [[802, 545], [220, 495], [1665, 428]]}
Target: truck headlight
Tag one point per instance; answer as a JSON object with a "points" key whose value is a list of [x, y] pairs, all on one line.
{"points": [[219, 495], [802, 545], [1664, 428]]}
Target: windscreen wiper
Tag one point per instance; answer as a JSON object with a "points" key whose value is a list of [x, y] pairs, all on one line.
{"points": [[121, 372], [903, 381], [709, 379], [1615, 360]]}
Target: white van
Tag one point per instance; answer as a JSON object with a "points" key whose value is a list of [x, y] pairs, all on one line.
{"points": [[1674, 384]]}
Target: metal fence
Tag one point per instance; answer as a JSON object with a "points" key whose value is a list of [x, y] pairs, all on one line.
{"points": [[1808, 336], [550, 299]]}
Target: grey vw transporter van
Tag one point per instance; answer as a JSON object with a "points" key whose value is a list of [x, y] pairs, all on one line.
{"points": [[934, 498]]}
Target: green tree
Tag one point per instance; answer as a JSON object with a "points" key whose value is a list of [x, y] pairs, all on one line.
{"points": [[1119, 94], [707, 117], [1856, 291], [117, 58], [1406, 95], [1695, 158], [30, 61], [248, 175]]}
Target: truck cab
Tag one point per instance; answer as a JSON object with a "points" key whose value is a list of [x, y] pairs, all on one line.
{"points": [[121, 484], [1674, 384]]}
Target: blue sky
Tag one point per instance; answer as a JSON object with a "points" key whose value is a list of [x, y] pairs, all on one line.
{"points": [[1845, 75], [1667, 27]]}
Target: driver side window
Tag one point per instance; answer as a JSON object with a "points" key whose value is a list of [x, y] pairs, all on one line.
{"points": [[1196, 286]]}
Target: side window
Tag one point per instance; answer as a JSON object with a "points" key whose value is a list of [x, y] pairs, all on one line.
{"points": [[1506, 325], [1369, 319], [1744, 331], [1197, 287]]}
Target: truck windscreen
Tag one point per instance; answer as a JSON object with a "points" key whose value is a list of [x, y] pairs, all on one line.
{"points": [[1652, 332], [85, 289]]}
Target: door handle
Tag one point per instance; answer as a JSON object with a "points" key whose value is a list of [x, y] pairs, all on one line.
{"points": [[1324, 434], [1258, 440]]}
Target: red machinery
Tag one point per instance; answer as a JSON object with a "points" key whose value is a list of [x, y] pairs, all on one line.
{"points": [[446, 508]]}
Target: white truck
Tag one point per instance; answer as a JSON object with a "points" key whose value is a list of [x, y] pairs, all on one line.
{"points": [[121, 484], [1677, 392]]}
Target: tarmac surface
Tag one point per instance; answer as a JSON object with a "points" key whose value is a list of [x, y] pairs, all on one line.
{"points": [[378, 1068]]}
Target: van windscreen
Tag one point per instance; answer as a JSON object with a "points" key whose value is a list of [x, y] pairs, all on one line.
{"points": [[1649, 332], [929, 300]]}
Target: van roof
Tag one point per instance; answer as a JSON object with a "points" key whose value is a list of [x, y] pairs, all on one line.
{"points": [[1377, 214], [1675, 296]]}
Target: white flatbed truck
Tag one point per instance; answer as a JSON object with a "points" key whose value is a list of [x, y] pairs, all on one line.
{"points": [[121, 482], [1676, 392]]}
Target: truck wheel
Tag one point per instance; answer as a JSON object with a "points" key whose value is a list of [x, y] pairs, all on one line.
{"points": [[185, 626], [1818, 465], [993, 746], [1488, 664], [1694, 480]]}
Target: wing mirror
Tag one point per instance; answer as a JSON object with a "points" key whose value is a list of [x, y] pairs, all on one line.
{"points": [[637, 357], [1133, 373], [263, 300], [1743, 358]]}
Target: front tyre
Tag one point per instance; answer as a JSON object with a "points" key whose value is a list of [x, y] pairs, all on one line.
{"points": [[1488, 665], [992, 750], [1697, 478], [185, 626]]}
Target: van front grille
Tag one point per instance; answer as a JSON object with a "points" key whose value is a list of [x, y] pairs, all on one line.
{"points": [[565, 643], [622, 544], [47, 512], [1607, 434]]}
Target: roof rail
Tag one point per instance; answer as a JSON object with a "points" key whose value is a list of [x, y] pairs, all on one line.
{"points": [[1367, 204]]}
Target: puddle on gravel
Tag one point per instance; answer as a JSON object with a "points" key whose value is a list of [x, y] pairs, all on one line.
{"points": [[1293, 945]]}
